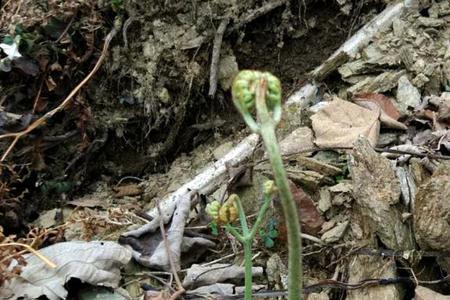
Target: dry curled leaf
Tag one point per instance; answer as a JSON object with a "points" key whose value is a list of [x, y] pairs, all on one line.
{"points": [[311, 219], [96, 263], [385, 120], [384, 102]]}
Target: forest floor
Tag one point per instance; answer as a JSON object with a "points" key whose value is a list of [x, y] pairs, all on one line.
{"points": [[112, 111]]}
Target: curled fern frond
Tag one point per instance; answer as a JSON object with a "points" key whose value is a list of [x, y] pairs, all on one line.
{"points": [[244, 95]]}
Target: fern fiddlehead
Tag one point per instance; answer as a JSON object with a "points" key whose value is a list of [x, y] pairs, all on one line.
{"points": [[263, 90]]}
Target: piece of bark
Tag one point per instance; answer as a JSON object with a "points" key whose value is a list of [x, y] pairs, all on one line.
{"points": [[431, 222], [376, 189]]}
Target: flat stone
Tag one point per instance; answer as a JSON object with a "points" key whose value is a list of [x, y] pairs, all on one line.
{"points": [[325, 200], [299, 140], [336, 233], [408, 96]]}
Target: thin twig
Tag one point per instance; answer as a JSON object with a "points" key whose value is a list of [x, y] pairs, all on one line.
{"points": [[412, 153], [42, 120], [47, 261], [33, 244], [152, 275], [216, 57], [312, 238], [18, 7], [387, 150], [180, 287], [38, 95], [91, 148], [126, 24], [220, 259], [67, 28], [59, 138], [4, 5], [129, 177]]}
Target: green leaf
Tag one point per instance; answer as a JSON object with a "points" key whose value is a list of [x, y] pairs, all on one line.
{"points": [[273, 233], [268, 242], [262, 233], [8, 40], [272, 223]]}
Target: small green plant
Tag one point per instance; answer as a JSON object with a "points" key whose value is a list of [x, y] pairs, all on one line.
{"points": [[269, 233], [263, 90], [229, 212]]}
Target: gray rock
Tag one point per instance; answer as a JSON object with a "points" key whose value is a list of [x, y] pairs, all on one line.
{"points": [[408, 96], [336, 233]]}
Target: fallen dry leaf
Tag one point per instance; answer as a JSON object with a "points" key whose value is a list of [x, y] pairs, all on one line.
{"points": [[341, 122], [51, 84], [385, 120], [96, 263], [127, 190], [310, 217], [384, 102]]}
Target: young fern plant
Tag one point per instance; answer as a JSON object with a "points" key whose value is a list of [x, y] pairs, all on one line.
{"points": [[263, 90], [229, 212]]}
